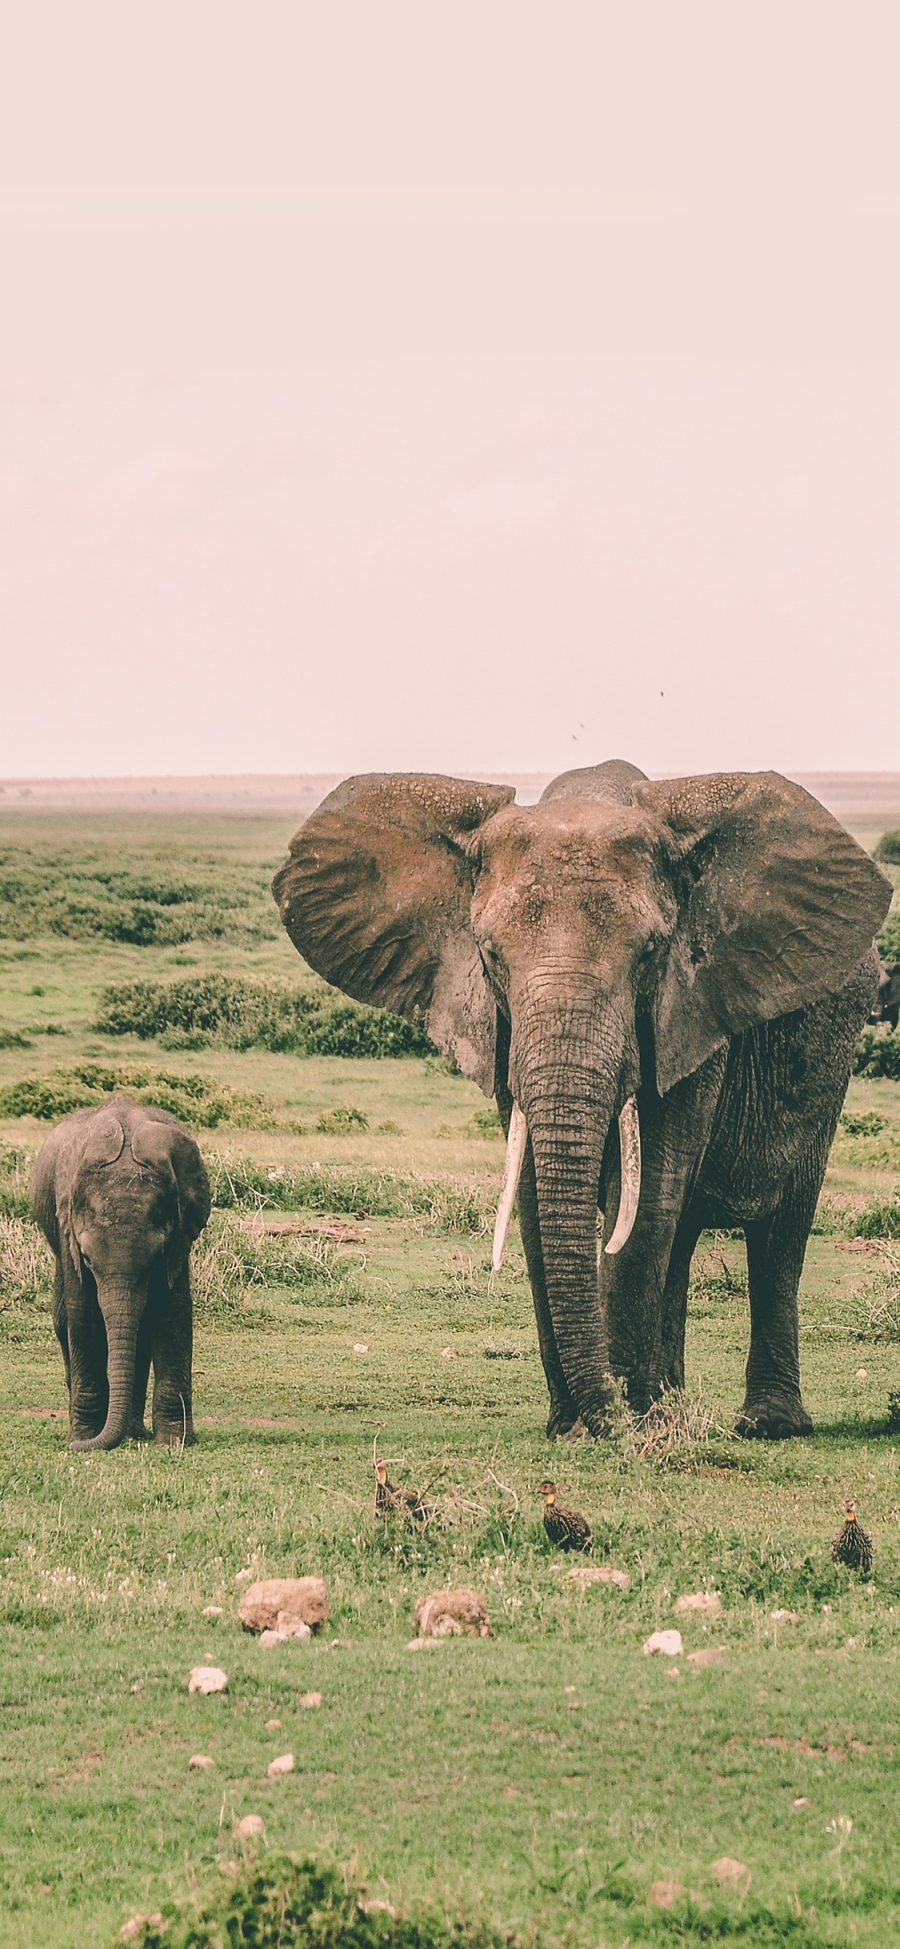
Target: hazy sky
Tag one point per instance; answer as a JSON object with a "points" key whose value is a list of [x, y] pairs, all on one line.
{"points": [[449, 387]]}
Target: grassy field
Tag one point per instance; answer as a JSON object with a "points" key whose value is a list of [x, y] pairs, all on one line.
{"points": [[543, 1779]]}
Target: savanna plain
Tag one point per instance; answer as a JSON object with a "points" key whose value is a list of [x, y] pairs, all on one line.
{"points": [[540, 1781]]}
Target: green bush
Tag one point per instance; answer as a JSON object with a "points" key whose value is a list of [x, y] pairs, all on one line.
{"points": [[241, 1184], [282, 1903], [863, 1123], [228, 1263], [240, 1013], [15, 1177], [889, 938], [191, 1098], [880, 1218], [13, 1039], [878, 1054], [342, 1119], [888, 848], [89, 895]]}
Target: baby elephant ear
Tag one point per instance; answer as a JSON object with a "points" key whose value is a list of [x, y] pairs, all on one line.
{"points": [[776, 906], [104, 1140], [376, 896], [163, 1144]]}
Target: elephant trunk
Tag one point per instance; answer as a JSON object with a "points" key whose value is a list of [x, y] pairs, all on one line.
{"points": [[571, 1091], [122, 1318]]}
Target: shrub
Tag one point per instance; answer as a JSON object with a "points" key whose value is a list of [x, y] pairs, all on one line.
{"points": [[880, 1218], [343, 1118], [888, 847], [15, 1177], [877, 1311], [863, 1123], [889, 938], [240, 1184], [282, 1903], [45, 891], [238, 1012], [13, 1039], [878, 1054], [191, 1098], [228, 1263]]}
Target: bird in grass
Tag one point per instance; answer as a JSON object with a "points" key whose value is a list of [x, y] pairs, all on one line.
{"points": [[391, 1500], [566, 1527], [853, 1544]]}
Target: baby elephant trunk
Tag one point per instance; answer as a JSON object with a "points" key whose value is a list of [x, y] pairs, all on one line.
{"points": [[122, 1343]]}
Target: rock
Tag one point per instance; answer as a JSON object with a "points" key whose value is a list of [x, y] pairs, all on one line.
{"points": [[208, 1678], [424, 1644], [283, 1764], [282, 1603], [452, 1614], [664, 1894], [200, 1762], [711, 1654], [360, 1346], [242, 1575], [862, 1373], [583, 1574], [309, 1701], [448, 1353], [250, 1830], [730, 1873], [705, 1603], [802, 1800], [273, 1725], [213, 1610], [667, 1643], [284, 1634], [783, 1617]]}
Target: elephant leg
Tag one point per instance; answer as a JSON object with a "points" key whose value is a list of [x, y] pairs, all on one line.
{"points": [[776, 1247], [563, 1413], [645, 1285], [172, 1340], [87, 1359], [61, 1327], [141, 1379], [675, 1298]]}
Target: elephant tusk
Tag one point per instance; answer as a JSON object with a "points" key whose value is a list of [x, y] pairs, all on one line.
{"points": [[509, 1185], [630, 1194]]}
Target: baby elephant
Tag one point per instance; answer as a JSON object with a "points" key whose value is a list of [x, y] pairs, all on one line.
{"points": [[121, 1193]]}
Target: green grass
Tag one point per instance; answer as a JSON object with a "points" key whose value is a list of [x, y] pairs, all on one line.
{"points": [[539, 1781]]}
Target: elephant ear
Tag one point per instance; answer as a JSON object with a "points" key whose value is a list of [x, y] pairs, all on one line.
{"points": [[776, 905], [376, 896], [160, 1142], [103, 1141]]}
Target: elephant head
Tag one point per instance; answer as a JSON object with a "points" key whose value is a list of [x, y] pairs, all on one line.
{"points": [[624, 943], [132, 1195]]}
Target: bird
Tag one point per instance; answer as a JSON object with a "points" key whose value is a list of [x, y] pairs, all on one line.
{"points": [[391, 1500], [853, 1544], [566, 1527]]}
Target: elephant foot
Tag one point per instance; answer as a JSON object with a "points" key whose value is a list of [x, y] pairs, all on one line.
{"points": [[575, 1432], [564, 1422], [773, 1417], [172, 1436], [138, 1432]]}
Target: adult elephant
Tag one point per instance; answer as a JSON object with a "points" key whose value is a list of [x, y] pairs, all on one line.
{"points": [[120, 1192], [685, 963]]}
